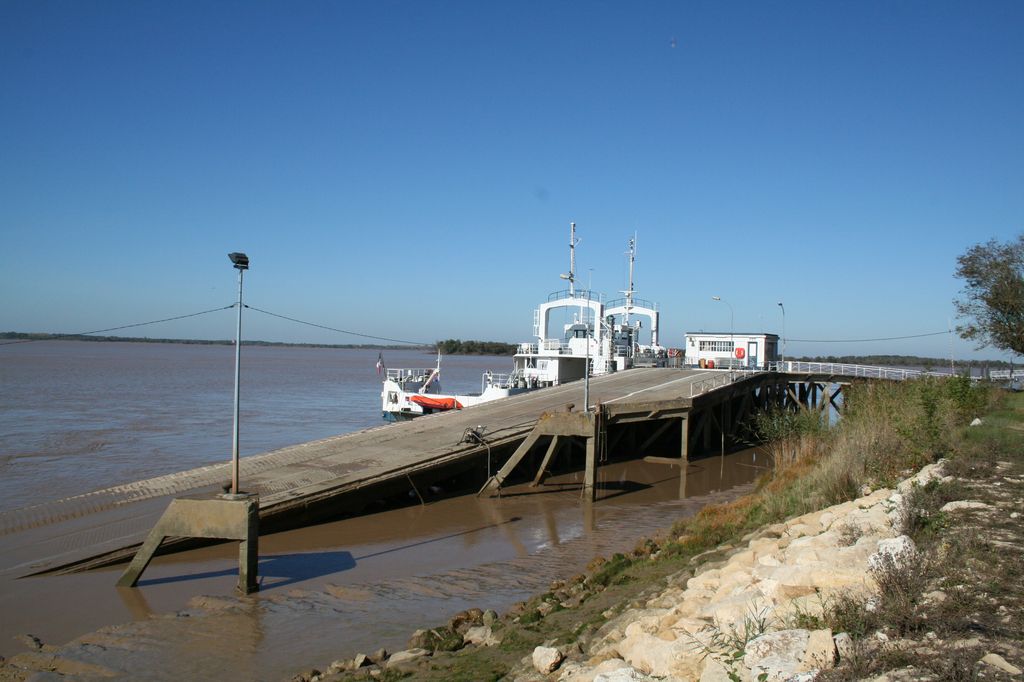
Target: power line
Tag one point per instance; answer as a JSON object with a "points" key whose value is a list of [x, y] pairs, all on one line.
{"points": [[342, 331], [888, 338], [125, 326]]}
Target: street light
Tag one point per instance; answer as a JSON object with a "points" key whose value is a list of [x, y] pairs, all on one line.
{"points": [[783, 331], [586, 376], [241, 263], [732, 327]]}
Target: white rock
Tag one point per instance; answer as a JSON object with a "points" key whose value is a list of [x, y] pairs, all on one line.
{"points": [[575, 672], [976, 422], [682, 657], [1015, 515], [820, 652], [900, 549], [546, 659], [623, 675], [708, 580], [964, 504], [714, 671], [844, 645], [997, 661], [400, 657], [480, 635], [776, 654], [922, 478]]}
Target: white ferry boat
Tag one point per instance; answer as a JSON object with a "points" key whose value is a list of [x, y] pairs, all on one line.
{"points": [[410, 393], [603, 337]]}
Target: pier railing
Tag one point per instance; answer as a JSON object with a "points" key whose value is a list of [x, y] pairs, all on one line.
{"points": [[724, 376], [719, 379], [842, 369], [1006, 374]]}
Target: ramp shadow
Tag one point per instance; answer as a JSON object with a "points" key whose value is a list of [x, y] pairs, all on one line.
{"points": [[276, 571]]}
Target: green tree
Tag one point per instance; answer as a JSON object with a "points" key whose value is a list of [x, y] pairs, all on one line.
{"points": [[992, 302]]}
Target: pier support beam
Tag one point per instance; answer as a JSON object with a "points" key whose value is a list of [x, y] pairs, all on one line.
{"points": [[557, 425], [206, 517], [543, 469], [684, 454]]}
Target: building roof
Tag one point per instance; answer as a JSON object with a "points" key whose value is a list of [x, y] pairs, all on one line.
{"points": [[726, 333]]}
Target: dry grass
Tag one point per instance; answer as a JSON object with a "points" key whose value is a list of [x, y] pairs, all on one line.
{"points": [[886, 431]]}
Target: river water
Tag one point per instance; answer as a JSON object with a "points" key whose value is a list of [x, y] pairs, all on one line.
{"points": [[78, 416]]}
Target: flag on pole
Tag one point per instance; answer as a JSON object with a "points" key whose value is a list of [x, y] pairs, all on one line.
{"points": [[380, 363]]}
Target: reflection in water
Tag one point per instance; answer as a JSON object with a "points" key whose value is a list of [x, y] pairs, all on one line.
{"points": [[135, 601], [468, 534]]}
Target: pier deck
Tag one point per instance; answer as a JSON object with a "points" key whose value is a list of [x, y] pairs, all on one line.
{"points": [[291, 480]]}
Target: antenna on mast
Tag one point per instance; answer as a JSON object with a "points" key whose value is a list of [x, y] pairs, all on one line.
{"points": [[629, 292], [572, 261]]}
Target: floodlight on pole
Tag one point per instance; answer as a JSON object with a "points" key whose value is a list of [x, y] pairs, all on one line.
{"points": [[732, 327], [241, 263]]}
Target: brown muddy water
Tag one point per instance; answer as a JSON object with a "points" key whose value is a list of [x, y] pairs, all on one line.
{"points": [[333, 590], [76, 417]]}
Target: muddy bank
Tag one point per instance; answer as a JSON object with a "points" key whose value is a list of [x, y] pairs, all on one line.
{"points": [[338, 588]]}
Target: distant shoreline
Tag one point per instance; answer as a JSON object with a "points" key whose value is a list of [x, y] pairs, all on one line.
{"points": [[446, 347], [26, 337]]}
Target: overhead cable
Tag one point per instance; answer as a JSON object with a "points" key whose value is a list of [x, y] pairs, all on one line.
{"points": [[887, 338], [341, 331], [51, 337]]}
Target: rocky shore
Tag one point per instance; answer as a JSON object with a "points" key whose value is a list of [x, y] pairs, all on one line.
{"points": [[842, 593]]}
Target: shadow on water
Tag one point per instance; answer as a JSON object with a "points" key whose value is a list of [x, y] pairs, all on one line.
{"points": [[277, 571], [286, 569]]}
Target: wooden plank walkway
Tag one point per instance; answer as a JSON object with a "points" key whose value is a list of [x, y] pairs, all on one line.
{"points": [[61, 532]]}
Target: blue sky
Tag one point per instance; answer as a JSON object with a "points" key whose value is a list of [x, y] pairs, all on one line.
{"points": [[410, 170]]}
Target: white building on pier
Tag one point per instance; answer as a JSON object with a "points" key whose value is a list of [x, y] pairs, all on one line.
{"points": [[725, 349]]}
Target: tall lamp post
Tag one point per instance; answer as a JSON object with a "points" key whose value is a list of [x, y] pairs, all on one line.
{"points": [[783, 331], [732, 327], [241, 263]]}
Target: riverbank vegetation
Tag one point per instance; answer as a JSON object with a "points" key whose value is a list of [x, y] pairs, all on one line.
{"points": [[938, 364], [888, 430], [459, 347]]}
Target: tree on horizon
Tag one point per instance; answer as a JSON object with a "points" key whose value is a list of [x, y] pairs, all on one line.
{"points": [[992, 301]]}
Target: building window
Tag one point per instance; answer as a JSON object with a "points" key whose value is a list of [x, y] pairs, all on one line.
{"points": [[716, 346]]}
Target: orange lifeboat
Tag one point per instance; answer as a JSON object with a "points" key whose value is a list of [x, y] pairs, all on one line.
{"points": [[430, 403]]}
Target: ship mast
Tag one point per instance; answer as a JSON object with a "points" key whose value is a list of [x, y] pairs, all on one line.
{"points": [[629, 291], [572, 261]]}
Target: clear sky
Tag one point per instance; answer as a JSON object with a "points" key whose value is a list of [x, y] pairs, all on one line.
{"points": [[410, 169]]}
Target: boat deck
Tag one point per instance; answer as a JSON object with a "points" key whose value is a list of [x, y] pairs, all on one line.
{"points": [[62, 532]]}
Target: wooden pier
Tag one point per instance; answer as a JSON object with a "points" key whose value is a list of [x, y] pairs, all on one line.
{"points": [[667, 413]]}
